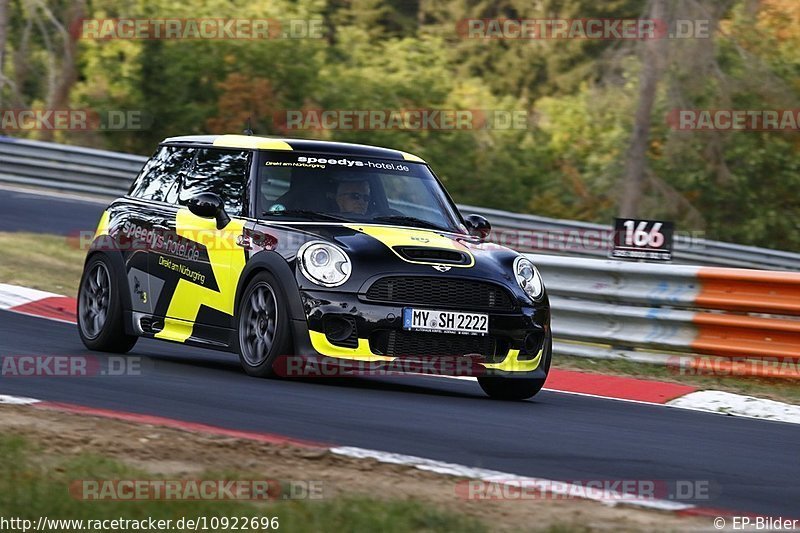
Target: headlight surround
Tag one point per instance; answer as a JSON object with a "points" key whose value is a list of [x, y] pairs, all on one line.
{"points": [[324, 263], [528, 278]]}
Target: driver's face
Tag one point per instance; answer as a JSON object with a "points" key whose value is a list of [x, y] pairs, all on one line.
{"points": [[353, 197]]}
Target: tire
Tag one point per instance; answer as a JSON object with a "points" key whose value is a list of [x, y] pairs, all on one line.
{"points": [[100, 316], [262, 332], [514, 389]]}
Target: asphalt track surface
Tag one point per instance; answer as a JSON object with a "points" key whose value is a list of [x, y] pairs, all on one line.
{"points": [[751, 466], [25, 211]]}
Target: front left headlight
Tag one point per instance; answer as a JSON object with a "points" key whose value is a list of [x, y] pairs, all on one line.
{"points": [[324, 263], [528, 277]]}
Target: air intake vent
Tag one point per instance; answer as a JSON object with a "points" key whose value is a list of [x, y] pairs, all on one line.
{"points": [[448, 293], [405, 343], [341, 330], [399, 343], [150, 324], [433, 255]]}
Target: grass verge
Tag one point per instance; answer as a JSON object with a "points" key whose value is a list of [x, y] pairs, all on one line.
{"points": [[34, 485], [41, 261], [42, 451]]}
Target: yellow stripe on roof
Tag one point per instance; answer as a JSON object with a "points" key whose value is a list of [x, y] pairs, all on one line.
{"points": [[248, 141], [412, 157]]}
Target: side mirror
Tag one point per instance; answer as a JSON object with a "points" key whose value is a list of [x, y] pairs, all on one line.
{"points": [[209, 205], [478, 226]]}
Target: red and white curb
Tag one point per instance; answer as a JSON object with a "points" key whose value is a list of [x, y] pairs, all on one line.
{"points": [[501, 481], [738, 405], [37, 303], [52, 306], [16, 400]]}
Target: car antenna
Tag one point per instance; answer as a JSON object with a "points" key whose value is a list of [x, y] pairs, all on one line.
{"points": [[249, 129]]}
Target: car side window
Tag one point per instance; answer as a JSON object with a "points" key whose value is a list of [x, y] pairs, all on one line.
{"points": [[159, 177], [223, 172]]}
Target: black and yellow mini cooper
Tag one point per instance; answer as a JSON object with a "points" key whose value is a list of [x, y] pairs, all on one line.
{"points": [[284, 250]]}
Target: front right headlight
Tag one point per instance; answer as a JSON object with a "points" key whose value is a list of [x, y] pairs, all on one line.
{"points": [[324, 263], [528, 278]]}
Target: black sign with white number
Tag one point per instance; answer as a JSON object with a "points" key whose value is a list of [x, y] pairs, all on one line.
{"points": [[642, 239]]}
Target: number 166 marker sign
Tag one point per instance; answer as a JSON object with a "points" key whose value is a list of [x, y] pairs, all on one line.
{"points": [[642, 239]]}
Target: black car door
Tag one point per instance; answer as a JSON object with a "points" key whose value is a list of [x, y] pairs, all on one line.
{"points": [[143, 229], [200, 263]]}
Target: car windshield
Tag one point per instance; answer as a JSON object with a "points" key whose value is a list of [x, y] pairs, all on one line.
{"points": [[324, 187]]}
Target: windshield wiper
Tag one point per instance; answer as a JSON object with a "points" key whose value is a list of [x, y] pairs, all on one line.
{"points": [[400, 219], [305, 213]]}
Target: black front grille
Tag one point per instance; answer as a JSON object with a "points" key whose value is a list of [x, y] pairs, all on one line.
{"points": [[399, 343], [441, 293], [433, 255]]}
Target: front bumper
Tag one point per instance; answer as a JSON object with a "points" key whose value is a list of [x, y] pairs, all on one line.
{"points": [[519, 340]]}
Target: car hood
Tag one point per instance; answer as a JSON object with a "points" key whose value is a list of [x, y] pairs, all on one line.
{"points": [[377, 250]]}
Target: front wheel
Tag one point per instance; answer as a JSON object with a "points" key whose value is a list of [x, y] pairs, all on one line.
{"points": [[263, 326], [517, 388], [100, 316]]}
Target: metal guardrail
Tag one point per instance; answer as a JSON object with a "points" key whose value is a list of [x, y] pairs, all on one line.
{"points": [[653, 313], [584, 239], [100, 172], [67, 168], [675, 315]]}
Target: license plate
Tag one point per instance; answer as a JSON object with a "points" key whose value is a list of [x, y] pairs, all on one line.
{"points": [[445, 321]]}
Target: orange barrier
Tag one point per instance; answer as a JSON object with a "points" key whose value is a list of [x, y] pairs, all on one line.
{"points": [[753, 291], [746, 336]]}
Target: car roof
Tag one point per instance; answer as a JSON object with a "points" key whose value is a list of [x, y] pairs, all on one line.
{"points": [[254, 142]]}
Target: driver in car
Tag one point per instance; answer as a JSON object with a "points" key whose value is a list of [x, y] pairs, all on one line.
{"points": [[352, 196]]}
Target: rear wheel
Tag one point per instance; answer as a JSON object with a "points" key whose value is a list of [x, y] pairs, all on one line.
{"points": [[517, 388], [100, 316], [263, 326]]}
